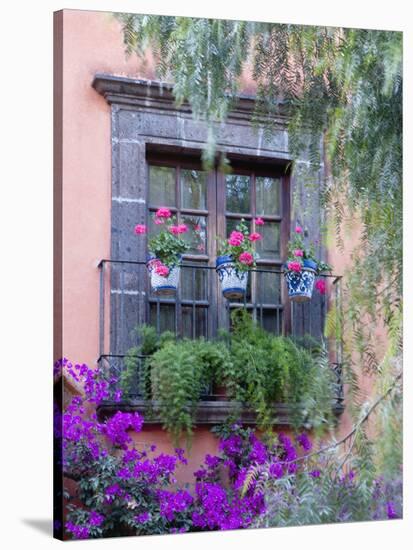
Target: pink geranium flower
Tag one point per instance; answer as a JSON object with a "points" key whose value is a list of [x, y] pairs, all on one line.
{"points": [[162, 270], [178, 229], [259, 221], [298, 253], [294, 266], [321, 286], [298, 229], [155, 262], [255, 237], [246, 258], [159, 221], [163, 212], [140, 229], [236, 238]]}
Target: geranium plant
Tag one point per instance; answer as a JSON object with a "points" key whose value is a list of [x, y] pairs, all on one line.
{"points": [[298, 252], [240, 246], [302, 267], [167, 246]]}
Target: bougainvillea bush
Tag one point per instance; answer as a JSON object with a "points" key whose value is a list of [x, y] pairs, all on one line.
{"points": [[124, 488]]}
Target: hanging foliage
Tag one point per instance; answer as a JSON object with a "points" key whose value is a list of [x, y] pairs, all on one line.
{"points": [[342, 85]]}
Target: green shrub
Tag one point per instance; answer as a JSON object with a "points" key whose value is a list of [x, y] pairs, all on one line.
{"points": [[180, 371], [266, 369], [256, 368]]}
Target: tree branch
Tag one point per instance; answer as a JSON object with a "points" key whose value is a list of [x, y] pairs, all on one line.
{"points": [[357, 426]]}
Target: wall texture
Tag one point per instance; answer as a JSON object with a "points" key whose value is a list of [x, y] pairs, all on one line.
{"points": [[92, 42]]}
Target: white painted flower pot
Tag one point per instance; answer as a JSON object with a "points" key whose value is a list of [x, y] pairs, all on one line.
{"points": [[301, 284], [233, 282], [163, 285]]}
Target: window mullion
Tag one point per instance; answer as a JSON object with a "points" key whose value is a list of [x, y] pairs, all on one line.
{"points": [[178, 305], [254, 276]]}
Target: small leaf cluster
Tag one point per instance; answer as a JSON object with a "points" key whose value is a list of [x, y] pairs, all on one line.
{"points": [[167, 247]]}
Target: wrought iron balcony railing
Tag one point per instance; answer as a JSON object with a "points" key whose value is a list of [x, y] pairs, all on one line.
{"points": [[199, 309]]}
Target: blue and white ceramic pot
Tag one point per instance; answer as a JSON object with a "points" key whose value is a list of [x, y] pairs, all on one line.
{"points": [[160, 284], [233, 282], [301, 284]]}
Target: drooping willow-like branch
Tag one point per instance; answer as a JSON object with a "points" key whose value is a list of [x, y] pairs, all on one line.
{"points": [[336, 444], [363, 419]]}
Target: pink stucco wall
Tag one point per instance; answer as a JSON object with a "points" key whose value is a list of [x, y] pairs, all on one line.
{"points": [[92, 43], [341, 260]]}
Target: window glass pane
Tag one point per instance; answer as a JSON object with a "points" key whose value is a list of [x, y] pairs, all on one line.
{"points": [[269, 246], [166, 317], [232, 225], [238, 193], [153, 229], [194, 321], [267, 196], [271, 320], [193, 189], [194, 283], [161, 186], [268, 287], [196, 235]]}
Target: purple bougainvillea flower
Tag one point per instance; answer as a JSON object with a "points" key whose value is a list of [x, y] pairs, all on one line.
{"points": [[78, 531], [304, 441], [258, 452], [96, 519], [276, 470], [391, 511], [180, 454], [212, 461], [142, 518]]}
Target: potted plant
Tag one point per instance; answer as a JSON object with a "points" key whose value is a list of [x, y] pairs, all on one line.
{"points": [[165, 251], [236, 257], [302, 267]]}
